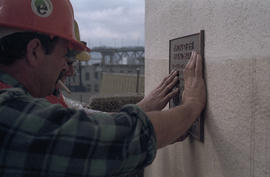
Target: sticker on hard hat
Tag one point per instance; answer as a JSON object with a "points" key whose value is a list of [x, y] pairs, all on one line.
{"points": [[42, 8]]}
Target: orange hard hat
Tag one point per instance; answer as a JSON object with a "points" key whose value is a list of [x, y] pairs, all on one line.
{"points": [[51, 17]]}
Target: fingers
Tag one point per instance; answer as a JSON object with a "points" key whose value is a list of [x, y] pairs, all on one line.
{"points": [[198, 69], [171, 94], [164, 80], [170, 86], [194, 65], [189, 69], [168, 80], [191, 61]]}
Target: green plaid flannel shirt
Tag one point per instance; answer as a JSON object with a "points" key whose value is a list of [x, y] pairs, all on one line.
{"points": [[39, 139]]}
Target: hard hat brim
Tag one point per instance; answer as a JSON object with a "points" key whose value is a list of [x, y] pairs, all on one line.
{"points": [[77, 45]]}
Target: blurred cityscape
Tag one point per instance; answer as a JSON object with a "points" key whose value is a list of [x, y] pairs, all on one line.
{"points": [[110, 71]]}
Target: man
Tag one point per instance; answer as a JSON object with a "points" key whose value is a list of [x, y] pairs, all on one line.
{"points": [[43, 139]]}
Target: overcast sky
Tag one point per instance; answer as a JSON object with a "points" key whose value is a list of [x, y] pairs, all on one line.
{"points": [[110, 22]]}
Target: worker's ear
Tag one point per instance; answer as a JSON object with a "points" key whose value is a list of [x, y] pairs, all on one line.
{"points": [[34, 52]]}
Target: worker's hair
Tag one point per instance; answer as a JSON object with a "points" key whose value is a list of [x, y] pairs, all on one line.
{"points": [[13, 46]]}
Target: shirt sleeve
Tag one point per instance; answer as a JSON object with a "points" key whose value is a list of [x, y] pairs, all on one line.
{"points": [[41, 139]]}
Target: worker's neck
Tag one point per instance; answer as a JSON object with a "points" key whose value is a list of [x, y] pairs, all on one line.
{"points": [[23, 74]]}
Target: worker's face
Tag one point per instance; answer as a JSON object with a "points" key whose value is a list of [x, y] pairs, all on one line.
{"points": [[54, 67]]}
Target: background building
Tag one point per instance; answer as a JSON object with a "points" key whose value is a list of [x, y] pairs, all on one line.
{"points": [[110, 71]]}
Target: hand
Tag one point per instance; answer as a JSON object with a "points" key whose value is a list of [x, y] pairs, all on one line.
{"points": [[194, 90], [161, 95]]}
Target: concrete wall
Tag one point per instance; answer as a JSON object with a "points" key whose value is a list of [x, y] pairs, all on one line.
{"points": [[237, 70]]}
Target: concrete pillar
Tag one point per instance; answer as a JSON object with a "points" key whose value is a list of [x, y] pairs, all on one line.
{"points": [[237, 70]]}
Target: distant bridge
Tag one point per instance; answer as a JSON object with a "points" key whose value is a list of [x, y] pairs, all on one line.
{"points": [[116, 55]]}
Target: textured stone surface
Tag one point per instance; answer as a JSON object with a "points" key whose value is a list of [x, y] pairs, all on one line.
{"points": [[237, 70]]}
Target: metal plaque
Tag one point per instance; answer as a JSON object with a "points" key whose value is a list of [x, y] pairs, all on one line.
{"points": [[180, 53]]}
